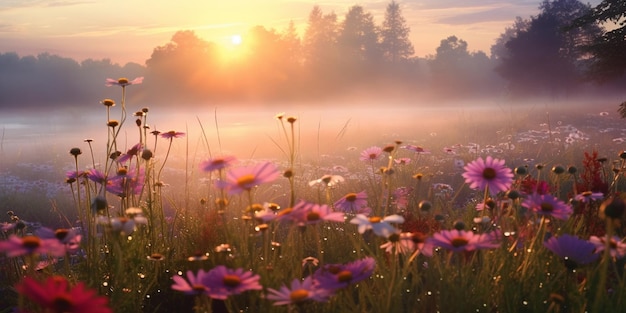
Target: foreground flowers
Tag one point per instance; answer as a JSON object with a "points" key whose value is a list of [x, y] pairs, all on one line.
{"points": [[573, 250], [462, 240], [57, 296], [488, 174], [218, 283], [298, 292], [17, 246], [246, 178]]}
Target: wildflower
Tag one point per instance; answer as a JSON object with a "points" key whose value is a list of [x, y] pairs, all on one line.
{"points": [[70, 238], [223, 282], [338, 276], [462, 240], [108, 102], [133, 151], [16, 246], [489, 173], [306, 213], [194, 284], [298, 292], [616, 246], [327, 181], [122, 225], [310, 260], [416, 149], [246, 178], [55, 295], [217, 164], [96, 176], [126, 182], [588, 196], [380, 226], [371, 154], [355, 203], [123, 81], [573, 250], [548, 205], [172, 134], [404, 242], [402, 161]]}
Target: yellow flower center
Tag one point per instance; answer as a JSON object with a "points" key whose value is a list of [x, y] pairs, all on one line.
{"points": [[245, 180], [231, 280], [122, 80], [298, 295], [31, 242], [375, 219], [489, 173], [344, 276], [459, 242], [351, 197]]}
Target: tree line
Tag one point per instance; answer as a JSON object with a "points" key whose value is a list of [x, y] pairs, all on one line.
{"points": [[563, 50]]}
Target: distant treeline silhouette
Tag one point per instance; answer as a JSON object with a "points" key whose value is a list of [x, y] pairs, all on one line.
{"points": [[543, 55]]}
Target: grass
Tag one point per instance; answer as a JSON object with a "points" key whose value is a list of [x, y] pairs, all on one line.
{"points": [[186, 223]]}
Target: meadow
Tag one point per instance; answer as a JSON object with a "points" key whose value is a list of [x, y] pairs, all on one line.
{"points": [[476, 207]]}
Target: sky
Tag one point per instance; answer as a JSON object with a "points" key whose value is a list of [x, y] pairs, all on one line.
{"points": [[128, 30]]}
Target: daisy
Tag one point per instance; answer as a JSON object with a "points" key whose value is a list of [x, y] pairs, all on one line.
{"points": [[547, 205], [55, 295], [223, 282], [193, 285], [123, 82], [588, 196], [380, 226], [133, 151], [462, 240], [218, 163], [300, 291], [327, 181], [404, 242], [489, 173], [17, 246], [617, 247], [573, 250], [371, 154], [338, 276], [355, 203], [416, 149], [172, 134], [246, 178], [306, 213], [70, 238]]}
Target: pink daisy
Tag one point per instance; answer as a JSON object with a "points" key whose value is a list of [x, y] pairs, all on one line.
{"points": [[218, 163], [55, 295], [193, 285], [223, 282], [547, 205], [16, 246], [355, 203], [371, 154], [462, 240], [246, 178], [489, 173], [123, 82], [300, 291]]}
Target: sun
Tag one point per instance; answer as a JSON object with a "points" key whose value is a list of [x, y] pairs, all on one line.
{"points": [[235, 40]]}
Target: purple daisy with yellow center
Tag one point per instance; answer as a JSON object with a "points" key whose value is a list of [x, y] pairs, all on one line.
{"points": [[548, 205]]}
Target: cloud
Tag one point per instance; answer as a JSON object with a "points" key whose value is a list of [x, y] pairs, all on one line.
{"points": [[6, 5]]}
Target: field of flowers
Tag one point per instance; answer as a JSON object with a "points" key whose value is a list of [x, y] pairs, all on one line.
{"points": [[531, 222]]}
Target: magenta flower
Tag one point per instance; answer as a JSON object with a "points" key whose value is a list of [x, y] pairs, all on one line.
{"points": [[216, 164], [371, 154], [588, 196], [548, 205], [246, 178], [380, 226], [402, 161], [55, 295], [70, 238], [96, 176], [573, 250], [16, 246], [416, 149], [354, 203], [194, 284], [172, 134], [404, 243], [462, 240], [338, 276], [126, 183], [298, 292], [489, 173], [223, 282], [133, 151], [306, 213], [616, 245], [123, 82]]}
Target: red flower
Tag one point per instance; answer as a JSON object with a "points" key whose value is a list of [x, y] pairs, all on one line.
{"points": [[56, 296]]}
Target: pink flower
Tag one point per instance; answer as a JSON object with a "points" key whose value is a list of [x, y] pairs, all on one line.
{"points": [[337, 276], [616, 245], [16, 246], [55, 295], [216, 164], [548, 205], [353, 203], [306, 213], [172, 134], [416, 149], [462, 240], [133, 151], [246, 178], [489, 173], [298, 292], [223, 282], [123, 82], [70, 238], [371, 154], [193, 285]]}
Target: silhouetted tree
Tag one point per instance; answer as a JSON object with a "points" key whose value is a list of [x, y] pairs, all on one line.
{"points": [[445, 65], [394, 34], [499, 49], [608, 49], [320, 51]]}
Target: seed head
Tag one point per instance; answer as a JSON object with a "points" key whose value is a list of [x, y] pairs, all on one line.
{"points": [[75, 152]]}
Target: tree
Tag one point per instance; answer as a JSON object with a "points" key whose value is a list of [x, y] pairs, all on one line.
{"points": [[608, 49], [446, 63], [499, 50], [320, 37], [358, 38], [395, 42]]}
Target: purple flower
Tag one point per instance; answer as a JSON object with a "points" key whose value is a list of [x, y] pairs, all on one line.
{"points": [[172, 134], [338, 276], [96, 176], [489, 173], [133, 151], [246, 178], [355, 203], [216, 164], [306, 213], [616, 246], [298, 292], [193, 285], [126, 182], [416, 149], [547, 205], [588, 196], [123, 82], [70, 238], [573, 250], [223, 282], [462, 240], [404, 243], [371, 154], [17, 246]]}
